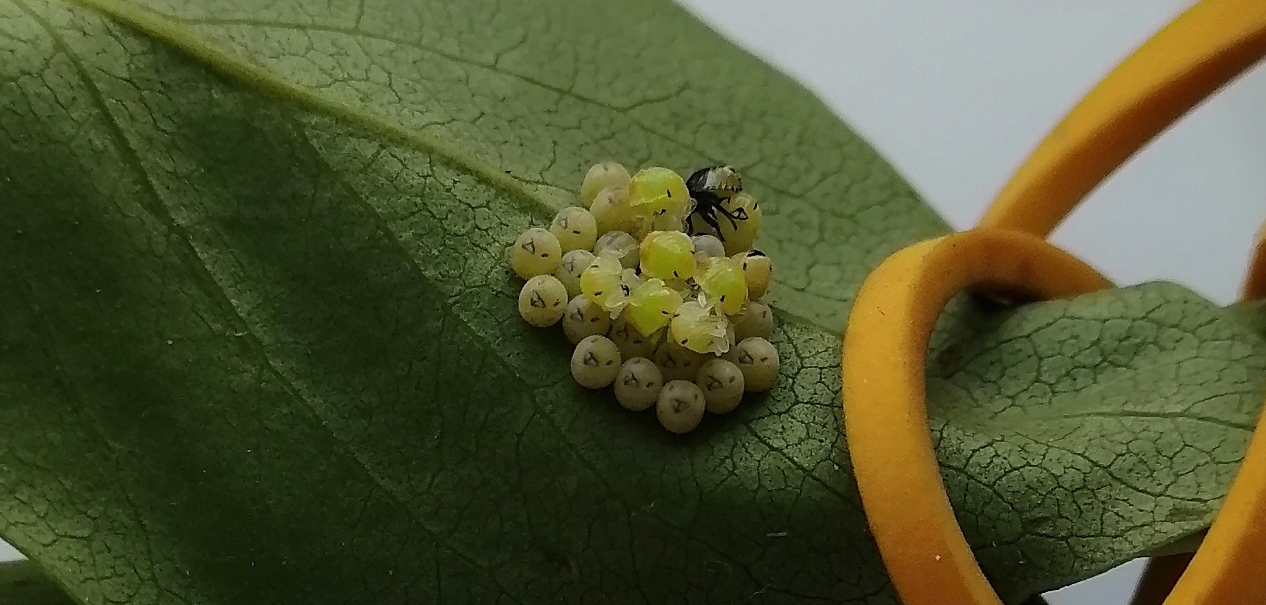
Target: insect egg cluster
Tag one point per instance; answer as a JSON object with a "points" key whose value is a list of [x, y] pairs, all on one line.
{"points": [[655, 281]]}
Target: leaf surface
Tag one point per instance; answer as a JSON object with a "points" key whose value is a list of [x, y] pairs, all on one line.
{"points": [[22, 584], [259, 340]]}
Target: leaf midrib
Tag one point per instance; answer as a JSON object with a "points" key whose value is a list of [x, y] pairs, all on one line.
{"points": [[264, 79], [158, 209], [208, 281], [529, 196]]}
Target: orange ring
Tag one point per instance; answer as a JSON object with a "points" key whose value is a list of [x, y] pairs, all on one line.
{"points": [[1184, 63], [926, 554], [1255, 282], [890, 443], [885, 413]]}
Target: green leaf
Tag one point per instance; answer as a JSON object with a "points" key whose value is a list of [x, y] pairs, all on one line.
{"points": [[258, 341], [1252, 314], [22, 584]]}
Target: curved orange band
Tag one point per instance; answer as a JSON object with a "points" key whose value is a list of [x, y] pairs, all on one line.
{"points": [[1196, 54], [885, 413], [1255, 282], [890, 443]]}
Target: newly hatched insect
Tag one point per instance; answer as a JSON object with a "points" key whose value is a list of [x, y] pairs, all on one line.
{"points": [[700, 329], [542, 301], [569, 270], [606, 282], [724, 284], [740, 234], [680, 406], [722, 385], [651, 306], [757, 269], [535, 252], [575, 229], [632, 342], [620, 244], [601, 176], [595, 362], [638, 384], [709, 187], [584, 318], [668, 255], [758, 360], [756, 320]]}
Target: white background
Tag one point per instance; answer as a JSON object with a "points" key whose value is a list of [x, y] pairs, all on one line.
{"points": [[957, 93]]}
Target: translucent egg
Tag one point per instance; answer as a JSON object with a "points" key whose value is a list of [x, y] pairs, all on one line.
{"points": [[611, 211], [668, 255], [707, 246], [740, 234], [620, 244], [569, 270], [575, 229], [607, 283], [724, 284], [601, 176], [700, 329], [669, 219], [758, 270], [651, 306], [658, 191]]}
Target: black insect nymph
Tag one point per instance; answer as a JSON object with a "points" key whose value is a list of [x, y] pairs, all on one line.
{"points": [[710, 187]]}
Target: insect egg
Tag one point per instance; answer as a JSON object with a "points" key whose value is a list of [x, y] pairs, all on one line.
{"points": [[595, 362], [608, 283], [620, 244], [575, 229], [757, 269], [611, 211], [697, 328], [572, 266], [722, 384], [638, 384], [756, 320], [707, 246], [542, 301], [584, 318], [724, 284], [739, 235], [652, 305], [677, 362], [680, 406], [535, 252], [631, 341], [599, 177], [658, 191], [668, 255], [758, 360]]}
